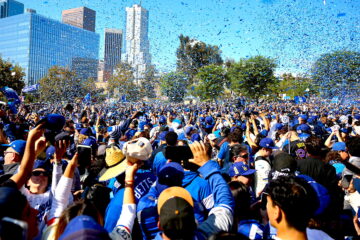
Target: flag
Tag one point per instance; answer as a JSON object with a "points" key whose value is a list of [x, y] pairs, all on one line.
{"points": [[12, 97], [299, 99], [31, 88], [335, 99], [87, 98]]}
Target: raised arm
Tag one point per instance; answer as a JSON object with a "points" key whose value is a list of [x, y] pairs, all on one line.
{"points": [[35, 144], [221, 216]]}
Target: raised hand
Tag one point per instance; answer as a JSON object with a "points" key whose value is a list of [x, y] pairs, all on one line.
{"points": [[200, 155]]}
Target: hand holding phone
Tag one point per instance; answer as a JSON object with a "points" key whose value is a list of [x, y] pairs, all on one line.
{"points": [[84, 155], [345, 182]]}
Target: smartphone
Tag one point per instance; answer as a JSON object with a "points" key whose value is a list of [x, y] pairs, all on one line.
{"points": [[356, 182], [178, 153], [84, 152], [11, 228], [345, 182]]}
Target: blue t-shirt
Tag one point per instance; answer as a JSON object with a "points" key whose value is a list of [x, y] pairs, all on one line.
{"points": [[143, 181]]}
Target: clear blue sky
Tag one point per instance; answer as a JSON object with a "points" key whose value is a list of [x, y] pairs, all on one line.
{"points": [[295, 32]]}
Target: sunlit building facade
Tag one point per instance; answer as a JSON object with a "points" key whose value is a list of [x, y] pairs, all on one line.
{"points": [[81, 17], [112, 51], [137, 41], [36, 43]]}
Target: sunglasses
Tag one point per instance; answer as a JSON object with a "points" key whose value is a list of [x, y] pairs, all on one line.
{"points": [[244, 156], [39, 173]]}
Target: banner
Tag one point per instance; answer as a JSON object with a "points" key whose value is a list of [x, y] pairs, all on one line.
{"points": [[31, 88], [299, 99], [87, 98]]}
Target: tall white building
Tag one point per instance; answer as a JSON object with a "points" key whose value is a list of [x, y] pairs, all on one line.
{"points": [[137, 41]]}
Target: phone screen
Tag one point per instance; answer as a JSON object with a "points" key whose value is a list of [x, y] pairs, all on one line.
{"points": [[178, 153], [345, 182], [84, 152]]}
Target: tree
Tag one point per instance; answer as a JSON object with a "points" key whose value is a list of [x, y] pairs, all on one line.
{"points": [[149, 83], [294, 86], [210, 82], [60, 84], [193, 54], [337, 73], [11, 76], [123, 83], [253, 77], [173, 85], [89, 86]]}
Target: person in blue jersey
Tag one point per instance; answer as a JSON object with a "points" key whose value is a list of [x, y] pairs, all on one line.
{"points": [[176, 207], [135, 151]]}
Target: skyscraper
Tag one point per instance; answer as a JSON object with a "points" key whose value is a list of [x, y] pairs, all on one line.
{"points": [[10, 8], [137, 41], [37, 43], [81, 17], [112, 55]]}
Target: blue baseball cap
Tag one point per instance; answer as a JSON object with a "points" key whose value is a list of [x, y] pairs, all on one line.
{"points": [[344, 130], [170, 175], [240, 169], [162, 135], [303, 128], [162, 119], [279, 126], [339, 146], [90, 141], [195, 137], [303, 116], [17, 145], [209, 120], [357, 116], [86, 131], [84, 227], [322, 193], [267, 143], [50, 152], [246, 228], [54, 122], [188, 130]]}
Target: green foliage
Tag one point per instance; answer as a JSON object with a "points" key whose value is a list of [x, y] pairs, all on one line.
{"points": [[11, 76], [123, 83], [210, 82], [89, 86], [173, 85], [149, 83], [253, 77], [60, 84], [337, 72], [294, 86], [193, 54]]}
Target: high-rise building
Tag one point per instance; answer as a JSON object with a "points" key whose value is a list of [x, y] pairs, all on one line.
{"points": [[85, 68], [112, 55], [81, 17], [10, 8], [137, 41], [37, 43], [30, 10]]}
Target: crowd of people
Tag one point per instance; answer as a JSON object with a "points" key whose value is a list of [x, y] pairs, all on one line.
{"points": [[270, 170]]}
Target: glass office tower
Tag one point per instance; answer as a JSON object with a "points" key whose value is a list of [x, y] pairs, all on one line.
{"points": [[36, 43], [10, 8]]}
